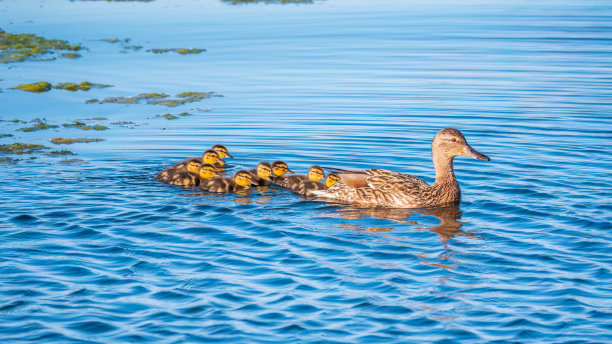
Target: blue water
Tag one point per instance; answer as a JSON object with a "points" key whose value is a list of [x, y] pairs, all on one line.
{"points": [[98, 251]]}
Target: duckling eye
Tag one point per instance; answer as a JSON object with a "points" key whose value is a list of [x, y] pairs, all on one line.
{"points": [[454, 139]]}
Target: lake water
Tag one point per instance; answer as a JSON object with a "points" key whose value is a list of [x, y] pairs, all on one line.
{"points": [[96, 250]]}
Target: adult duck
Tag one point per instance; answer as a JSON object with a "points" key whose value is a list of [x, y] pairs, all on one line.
{"points": [[381, 188]]}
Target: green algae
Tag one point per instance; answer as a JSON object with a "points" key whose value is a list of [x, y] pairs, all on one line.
{"points": [[43, 86], [99, 127], [69, 141], [71, 160], [39, 124], [56, 153], [84, 126], [24, 47], [36, 87], [168, 116], [182, 51], [6, 135], [91, 101], [21, 148], [158, 98]]}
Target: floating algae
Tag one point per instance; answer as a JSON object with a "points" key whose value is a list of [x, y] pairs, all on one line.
{"points": [[40, 125], [84, 126], [22, 47], [158, 98], [181, 51], [69, 141], [5, 135], [185, 97], [56, 153], [44, 86], [21, 148], [36, 87], [72, 160], [171, 116]]}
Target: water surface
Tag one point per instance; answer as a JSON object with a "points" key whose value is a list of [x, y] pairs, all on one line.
{"points": [[98, 251]]}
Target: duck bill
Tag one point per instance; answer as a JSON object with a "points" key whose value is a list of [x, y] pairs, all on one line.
{"points": [[471, 152], [252, 183], [290, 172], [228, 156]]}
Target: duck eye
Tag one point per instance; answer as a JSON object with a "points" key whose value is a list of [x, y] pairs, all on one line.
{"points": [[454, 139]]}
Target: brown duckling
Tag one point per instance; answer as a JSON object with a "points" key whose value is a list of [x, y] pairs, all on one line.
{"points": [[210, 156], [381, 188], [223, 153], [187, 179], [315, 173], [305, 188], [242, 180], [262, 175], [189, 166], [280, 169]]}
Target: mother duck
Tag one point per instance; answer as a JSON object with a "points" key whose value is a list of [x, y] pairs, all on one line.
{"points": [[381, 188]]}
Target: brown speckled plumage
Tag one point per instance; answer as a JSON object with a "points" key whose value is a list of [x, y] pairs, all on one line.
{"points": [[382, 188]]}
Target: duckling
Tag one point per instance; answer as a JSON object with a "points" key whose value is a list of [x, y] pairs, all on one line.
{"points": [[223, 153], [242, 180], [262, 174], [188, 179], [171, 173], [208, 157], [315, 173], [381, 188], [305, 188]]}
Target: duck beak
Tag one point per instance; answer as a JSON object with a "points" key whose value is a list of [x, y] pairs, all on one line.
{"points": [[471, 152], [252, 182], [227, 155], [290, 172]]}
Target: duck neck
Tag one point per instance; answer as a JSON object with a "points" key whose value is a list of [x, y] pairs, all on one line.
{"points": [[446, 183]]}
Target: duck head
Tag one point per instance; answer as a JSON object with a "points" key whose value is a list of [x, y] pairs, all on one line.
{"points": [[193, 166], [280, 168], [264, 170], [221, 151], [207, 171], [316, 173], [243, 179], [449, 142], [210, 157], [332, 178]]}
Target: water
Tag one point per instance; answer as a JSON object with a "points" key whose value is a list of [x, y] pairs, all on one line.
{"points": [[98, 251]]}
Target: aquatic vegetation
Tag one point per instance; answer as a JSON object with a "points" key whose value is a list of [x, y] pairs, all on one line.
{"points": [[63, 152], [36, 87], [21, 148], [158, 98], [69, 141], [5, 135], [84, 126], [171, 116], [71, 160], [123, 43], [83, 86], [38, 126], [22, 47], [44, 86], [182, 51]]}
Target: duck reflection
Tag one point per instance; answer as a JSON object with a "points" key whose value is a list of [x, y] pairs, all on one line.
{"points": [[449, 217]]}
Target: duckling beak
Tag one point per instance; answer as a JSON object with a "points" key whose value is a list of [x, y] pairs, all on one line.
{"points": [[252, 182], [290, 172], [227, 155], [471, 152]]}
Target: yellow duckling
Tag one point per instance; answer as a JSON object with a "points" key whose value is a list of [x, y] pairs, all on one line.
{"points": [[223, 153], [190, 166], [190, 178], [280, 169], [305, 188], [242, 180], [210, 156], [381, 188], [315, 173], [262, 175]]}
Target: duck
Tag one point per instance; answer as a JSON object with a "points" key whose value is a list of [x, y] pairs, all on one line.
{"points": [[305, 188], [223, 153], [315, 173], [280, 169], [188, 166], [190, 179], [262, 175], [242, 180], [382, 188]]}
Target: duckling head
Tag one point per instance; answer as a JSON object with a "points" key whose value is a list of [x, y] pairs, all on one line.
{"points": [[243, 179], [315, 173], [207, 171], [193, 166], [264, 170], [210, 157], [280, 168], [449, 143], [221, 151], [332, 178]]}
